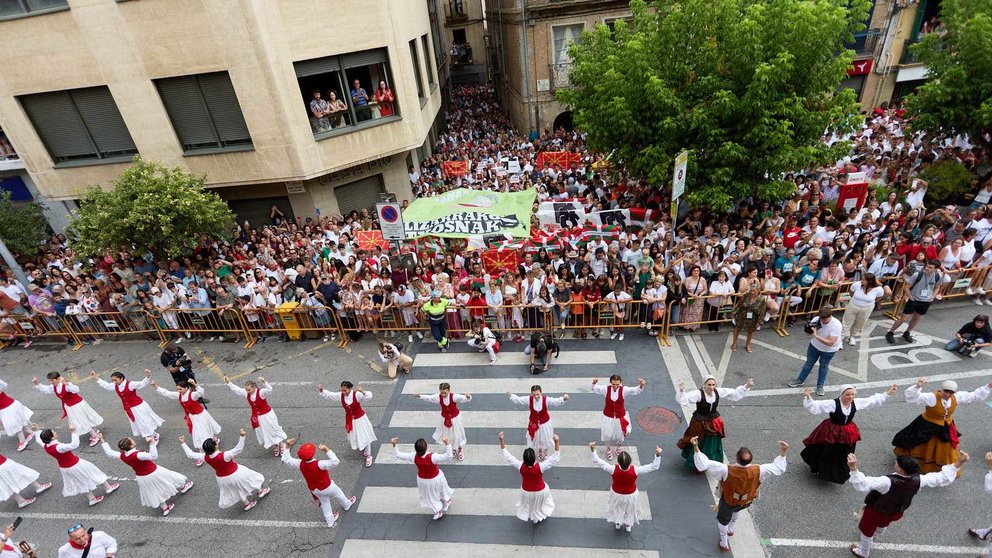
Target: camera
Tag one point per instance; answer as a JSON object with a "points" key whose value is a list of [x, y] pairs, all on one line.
{"points": [[967, 347], [812, 325]]}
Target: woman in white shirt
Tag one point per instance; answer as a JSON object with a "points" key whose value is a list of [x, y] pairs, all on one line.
{"points": [[890, 205], [864, 295], [719, 295], [983, 195]]}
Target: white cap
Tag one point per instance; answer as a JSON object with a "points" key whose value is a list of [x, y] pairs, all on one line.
{"points": [[949, 385]]}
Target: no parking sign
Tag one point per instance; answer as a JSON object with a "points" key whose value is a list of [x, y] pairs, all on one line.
{"points": [[390, 220]]}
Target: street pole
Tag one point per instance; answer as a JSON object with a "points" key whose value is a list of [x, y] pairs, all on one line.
{"points": [[13, 265]]}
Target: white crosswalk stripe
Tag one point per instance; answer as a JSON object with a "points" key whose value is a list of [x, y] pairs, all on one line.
{"points": [[496, 419], [354, 548], [519, 386], [461, 360], [477, 454]]}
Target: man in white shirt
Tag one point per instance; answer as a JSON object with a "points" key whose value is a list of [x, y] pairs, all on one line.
{"points": [[825, 332], [598, 264], [620, 308], [100, 544]]}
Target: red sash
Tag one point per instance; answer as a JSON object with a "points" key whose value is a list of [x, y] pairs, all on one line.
{"points": [[67, 397], [352, 412], [258, 407], [537, 418], [5, 400], [129, 398], [448, 411], [615, 409], [717, 425], [3, 459], [952, 430]]}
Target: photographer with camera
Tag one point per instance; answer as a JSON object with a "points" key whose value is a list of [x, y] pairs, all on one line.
{"points": [[394, 358], [823, 345], [542, 346], [972, 337], [484, 340], [178, 363]]}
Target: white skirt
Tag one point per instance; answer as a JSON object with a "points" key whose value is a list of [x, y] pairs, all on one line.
{"points": [[83, 417], [535, 506], [14, 478], [544, 438], [238, 487], [81, 478], [156, 489], [145, 420], [15, 418], [434, 492], [269, 433], [455, 434], [204, 428], [610, 431], [623, 508], [361, 435]]}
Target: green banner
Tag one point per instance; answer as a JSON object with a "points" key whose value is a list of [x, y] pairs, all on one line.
{"points": [[462, 213]]}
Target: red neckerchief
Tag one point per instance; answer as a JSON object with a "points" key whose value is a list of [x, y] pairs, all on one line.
{"points": [[76, 546]]}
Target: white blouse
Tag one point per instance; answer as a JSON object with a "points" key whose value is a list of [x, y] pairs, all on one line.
{"points": [[694, 396], [628, 391], [538, 404], [916, 395], [826, 406]]}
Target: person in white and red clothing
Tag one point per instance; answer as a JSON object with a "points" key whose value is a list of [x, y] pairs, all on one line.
{"points": [[983, 534], [450, 422], [623, 507], [236, 483], [200, 424], [615, 425], [15, 418], [315, 473], [156, 484], [100, 544], [74, 408], [8, 548], [435, 494], [14, 478], [356, 424], [264, 421], [535, 503], [143, 419], [540, 431], [79, 476]]}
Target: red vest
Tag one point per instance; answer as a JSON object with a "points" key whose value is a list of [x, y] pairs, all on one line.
{"points": [[448, 411], [537, 418], [615, 409], [624, 482], [65, 460], [67, 397], [190, 407], [141, 468], [533, 478], [5, 400], [129, 398], [317, 478], [258, 407], [2, 459], [223, 468], [426, 468], [351, 412]]}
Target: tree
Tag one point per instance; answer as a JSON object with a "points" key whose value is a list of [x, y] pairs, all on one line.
{"points": [[946, 180], [150, 208], [957, 97], [22, 226], [747, 86]]}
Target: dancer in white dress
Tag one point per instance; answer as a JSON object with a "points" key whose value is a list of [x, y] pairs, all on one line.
{"points": [[79, 476], [450, 422], [14, 478], [264, 421], [15, 418], [200, 424], [540, 430], [535, 503], [983, 534], [615, 425], [356, 423], [156, 484], [623, 505], [315, 473], [435, 494], [236, 483], [143, 419], [78, 412]]}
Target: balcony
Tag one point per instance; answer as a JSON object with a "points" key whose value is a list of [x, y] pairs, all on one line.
{"points": [[865, 43], [908, 57], [454, 12], [559, 75], [9, 160], [461, 54]]}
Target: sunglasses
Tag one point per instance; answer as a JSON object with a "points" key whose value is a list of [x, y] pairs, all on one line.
{"points": [[74, 527]]}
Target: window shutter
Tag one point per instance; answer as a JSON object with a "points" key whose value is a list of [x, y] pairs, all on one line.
{"points": [[317, 66], [366, 58], [182, 100], [222, 102], [359, 195], [59, 126], [106, 126]]}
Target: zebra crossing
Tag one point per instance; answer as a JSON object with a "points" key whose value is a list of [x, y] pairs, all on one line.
{"points": [[388, 520]]}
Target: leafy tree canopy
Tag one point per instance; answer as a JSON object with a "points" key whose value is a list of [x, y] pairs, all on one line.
{"points": [[957, 97], [151, 208], [22, 227], [747, 86]]}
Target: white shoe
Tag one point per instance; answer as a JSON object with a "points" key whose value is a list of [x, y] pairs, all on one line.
{"points": [[980, 291], [613, 336], [168, 509], [250, 504], [642, 325], [493, 361], [851, 341], [977, 301], [420, 335], [988, 301], [26, 502], [969, 291], [620, 338], [409, 338], [439, 515]]}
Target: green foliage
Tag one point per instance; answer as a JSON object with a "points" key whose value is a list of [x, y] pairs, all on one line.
{"points": [[957, 96], [748, 86], [150, 208], [22, 227], [946, 180]]}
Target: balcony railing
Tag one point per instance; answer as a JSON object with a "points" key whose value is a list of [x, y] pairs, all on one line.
{"points": [[865, 43], [559, 75], [461, 54], [454, 12], [8, 155], [910, 58]]}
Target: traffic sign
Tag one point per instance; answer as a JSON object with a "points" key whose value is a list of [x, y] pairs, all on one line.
{"points": [[390, 220], [678, 180]]}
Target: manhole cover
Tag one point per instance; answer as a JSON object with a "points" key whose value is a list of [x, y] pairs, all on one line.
{"points": [[658, 420]]}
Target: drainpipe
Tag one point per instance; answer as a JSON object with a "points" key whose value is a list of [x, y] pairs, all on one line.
{"points": [[526, 53]]}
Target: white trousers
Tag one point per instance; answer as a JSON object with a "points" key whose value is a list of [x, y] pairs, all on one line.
{"points": [[324, 497]]}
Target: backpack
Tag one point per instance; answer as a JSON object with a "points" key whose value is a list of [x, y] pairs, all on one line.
{"points": [[497, 336]]}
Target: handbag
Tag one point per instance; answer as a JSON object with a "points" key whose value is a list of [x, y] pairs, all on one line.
{"points": [[657, 314]]}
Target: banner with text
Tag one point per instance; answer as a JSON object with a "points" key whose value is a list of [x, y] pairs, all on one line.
{"points": [[463, 213]]}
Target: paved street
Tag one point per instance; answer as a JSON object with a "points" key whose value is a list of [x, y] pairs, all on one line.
{"points": [[796, 516]]}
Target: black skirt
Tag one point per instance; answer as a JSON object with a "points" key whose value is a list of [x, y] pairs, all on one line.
{"points": [[829, 461], [920, 431]]}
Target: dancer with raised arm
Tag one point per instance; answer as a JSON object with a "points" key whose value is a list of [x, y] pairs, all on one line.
{"points": [[79, 476], [15, 418], [156, 484], [435, 494], [142, 418], [450, 422], [357, 425], [264, 421], [706, 422], [200, 424], [615, 424], [535, 503], [540, 431], [623, 508], [74, 408], [317, 476], [236, 483]]}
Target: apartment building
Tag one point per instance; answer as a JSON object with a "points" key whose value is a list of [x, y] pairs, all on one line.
{"points": [[464, 23], [315, 107]]}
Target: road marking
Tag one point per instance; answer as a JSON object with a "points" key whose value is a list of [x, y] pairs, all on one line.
{"points": [[519, 386], [365, 548], [879, 383], [314, 348], [802, 358], [210, 364], [571, 456], [495, 419], [277, 384], [576, 504], [925, 549], [746, 543], [515, 358], [90, 519]]}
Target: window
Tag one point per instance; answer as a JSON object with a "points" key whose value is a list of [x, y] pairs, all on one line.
{"points": [[10, 9], [205, 112], [80, 125], [351, 91], [427, 60], [612, 24], [416, 71], [563, 35]]}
